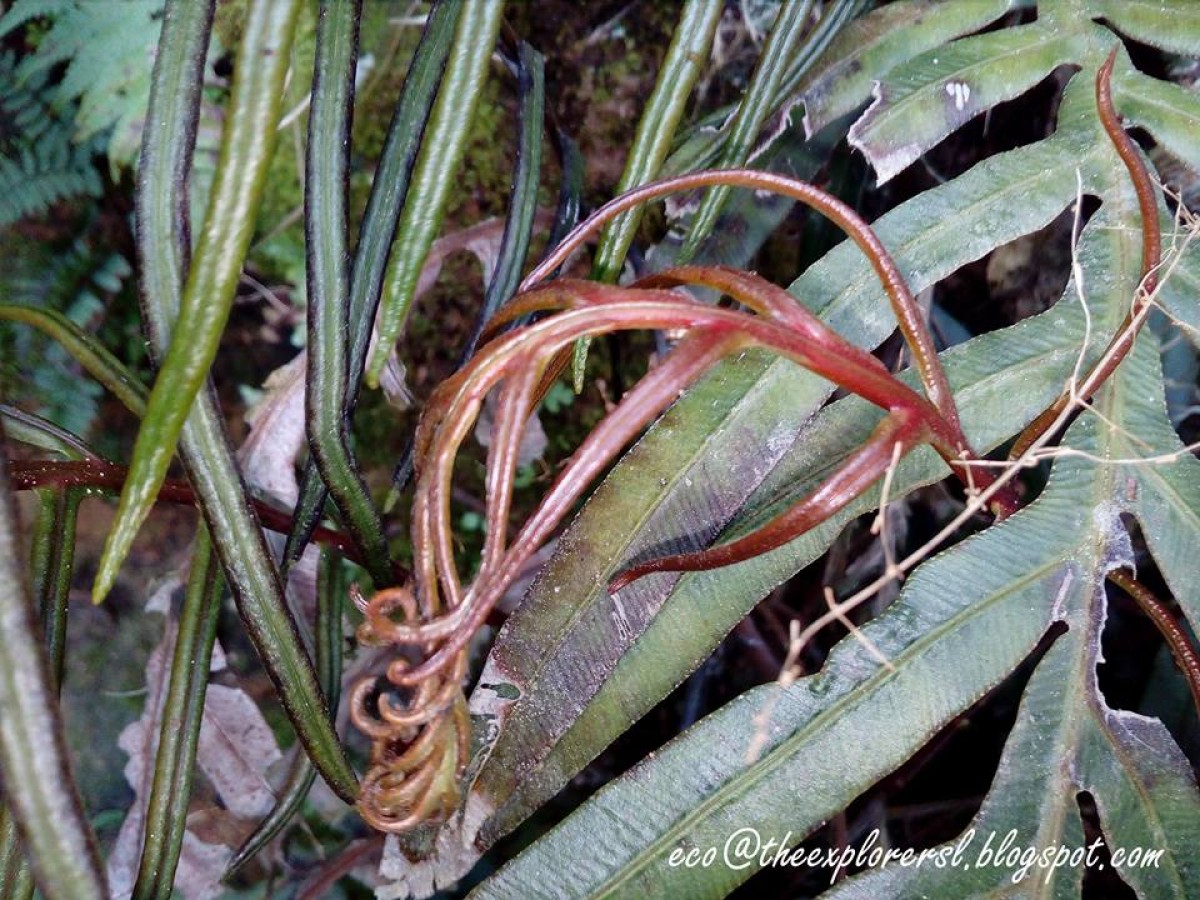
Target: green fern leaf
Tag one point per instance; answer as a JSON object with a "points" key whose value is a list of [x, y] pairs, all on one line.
{"points": [[575, 667], [40, 163], [108, 49], [32, 183]]}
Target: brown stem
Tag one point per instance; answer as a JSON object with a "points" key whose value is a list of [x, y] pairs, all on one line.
{"points": [[513, 408], [1180, 645], [1122, 341], [28, 475], [355, 854], [772, 301], [608, 308], [908, 315]]}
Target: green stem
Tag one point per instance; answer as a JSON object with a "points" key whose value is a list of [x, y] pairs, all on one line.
{"points": [[326, 171], [834, 18], [52, 560], [518, 224], [53, 563], [39, 787], [442, 148], [181, 718], [522, 206], [685, 59], [331, 588], [167, 149], [85, 350]]}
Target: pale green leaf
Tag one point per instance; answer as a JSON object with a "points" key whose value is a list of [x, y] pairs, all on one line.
{"points": [[927, 98], [878, 42], [1170, 24], [1170, 112]]}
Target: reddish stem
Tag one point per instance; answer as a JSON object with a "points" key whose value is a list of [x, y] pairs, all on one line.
{"points": [[355, 854], [97, 473], [1178, 642], [1122, 342], [862, 468], [904, 305], [771, 300]]}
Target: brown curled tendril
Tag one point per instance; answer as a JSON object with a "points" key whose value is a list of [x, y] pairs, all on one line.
{"points": [[420, 734]]}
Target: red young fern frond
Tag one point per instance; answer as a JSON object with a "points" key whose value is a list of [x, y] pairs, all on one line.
{"points": [[420, 741]]}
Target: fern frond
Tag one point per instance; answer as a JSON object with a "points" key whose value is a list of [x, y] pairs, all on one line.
{"points": [[109, 52], [23, 11], [40, 164], [38, 178], [75, 280]]}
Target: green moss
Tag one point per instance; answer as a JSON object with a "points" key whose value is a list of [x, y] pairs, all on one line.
{"points": [[390, 48], [229, 21], [278, 251]]}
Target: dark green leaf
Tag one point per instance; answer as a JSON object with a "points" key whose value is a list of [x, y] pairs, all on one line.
{"points": [[926, 98], [212, 278], [752, 112], [163, 252], [1170, 112], [39, 788], [522, 204]]}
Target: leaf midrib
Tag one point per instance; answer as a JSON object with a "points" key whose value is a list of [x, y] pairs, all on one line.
{"points": [[782, 752]]}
